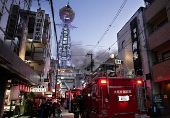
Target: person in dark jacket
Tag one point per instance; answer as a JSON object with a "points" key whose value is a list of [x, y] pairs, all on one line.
{"points": [[53, 107], [44, 109]]}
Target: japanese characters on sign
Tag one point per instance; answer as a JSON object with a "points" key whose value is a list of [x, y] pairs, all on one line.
{"points": [[117, 61], [39, 90], [39, 24], [65, 42], [122, 91]]}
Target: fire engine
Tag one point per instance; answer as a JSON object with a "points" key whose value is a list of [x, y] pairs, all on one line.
{"points": [[114, 97], [69, 96]]}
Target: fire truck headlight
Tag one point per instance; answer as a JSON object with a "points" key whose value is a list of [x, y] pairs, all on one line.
{"points": [[106, 100]]}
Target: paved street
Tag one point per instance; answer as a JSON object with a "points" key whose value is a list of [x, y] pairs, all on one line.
{"points": [[64, 113]]}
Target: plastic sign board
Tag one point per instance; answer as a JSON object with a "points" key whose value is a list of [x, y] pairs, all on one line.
{"points": [[117, 61], [46, 80], [39, 90], [123, 98]]}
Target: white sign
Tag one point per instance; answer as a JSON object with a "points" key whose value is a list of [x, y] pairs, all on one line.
{"points": [[39, 24], [39, 90], [117, 61], [123, 98]]}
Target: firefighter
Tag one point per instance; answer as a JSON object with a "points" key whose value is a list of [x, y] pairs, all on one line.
{"points": [[81, 103], [75, 106]]}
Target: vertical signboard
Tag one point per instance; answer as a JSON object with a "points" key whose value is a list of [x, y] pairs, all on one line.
{"points": [[22, 49], [38, 27], [64, 43], [135, 46], [12, 21]]}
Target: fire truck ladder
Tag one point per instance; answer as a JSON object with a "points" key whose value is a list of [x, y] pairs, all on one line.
{"points": [[141, 97]]}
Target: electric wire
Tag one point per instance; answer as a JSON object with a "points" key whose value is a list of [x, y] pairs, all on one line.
{"points": [[120, 9], [130, 38]]}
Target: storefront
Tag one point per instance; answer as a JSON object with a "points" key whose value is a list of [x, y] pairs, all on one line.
{"points": [[14, 98]]}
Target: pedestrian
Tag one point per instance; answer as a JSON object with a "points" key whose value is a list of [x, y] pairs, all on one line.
{"points": [[59, 111], [52, 110], [75, 106], [62, 100], [44, 109]]}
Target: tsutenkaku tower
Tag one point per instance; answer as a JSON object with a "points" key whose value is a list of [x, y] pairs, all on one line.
{"points": [[66, 15]]}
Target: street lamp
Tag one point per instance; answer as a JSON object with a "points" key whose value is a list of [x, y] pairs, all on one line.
{"points": [[112, 56]]}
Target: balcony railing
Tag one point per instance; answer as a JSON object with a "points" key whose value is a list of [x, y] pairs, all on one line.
{"points": [[38, 53], [17, 66], [159, 26]]}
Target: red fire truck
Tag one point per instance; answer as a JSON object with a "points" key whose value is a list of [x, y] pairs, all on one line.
{"points": [[113, 97]]}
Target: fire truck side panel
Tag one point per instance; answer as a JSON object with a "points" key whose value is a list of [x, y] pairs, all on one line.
{"points": [[94, 100]]}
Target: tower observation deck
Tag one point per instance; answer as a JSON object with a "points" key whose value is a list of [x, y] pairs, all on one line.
{"points": [[67, 16]]}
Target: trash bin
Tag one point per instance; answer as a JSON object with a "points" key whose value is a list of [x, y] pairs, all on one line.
{"points": [[154, 110]]}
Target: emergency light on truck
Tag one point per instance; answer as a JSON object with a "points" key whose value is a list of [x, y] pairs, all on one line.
{"points": [[123, 98], [103, 81]]}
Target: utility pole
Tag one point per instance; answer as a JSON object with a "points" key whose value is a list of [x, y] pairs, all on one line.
{"points": [[55, 32], [92, 61]]}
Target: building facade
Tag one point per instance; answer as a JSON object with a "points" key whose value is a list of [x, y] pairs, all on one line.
{"points": [[133, 50], [24, 61], [157, 16]]}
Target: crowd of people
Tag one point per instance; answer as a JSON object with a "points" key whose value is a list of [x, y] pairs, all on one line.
{"points": [[48, 108]]}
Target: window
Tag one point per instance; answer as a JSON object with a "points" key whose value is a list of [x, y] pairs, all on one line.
{"points": [[166, 54], [158, 21], [123, 44]]}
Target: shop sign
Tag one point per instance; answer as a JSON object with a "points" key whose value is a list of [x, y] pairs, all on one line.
{"points": [[39, 90], [157, 98], [46, 80], [117, 61]]}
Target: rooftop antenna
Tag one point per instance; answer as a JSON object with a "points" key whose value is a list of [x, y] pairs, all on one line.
{"points": [[68, 3]]}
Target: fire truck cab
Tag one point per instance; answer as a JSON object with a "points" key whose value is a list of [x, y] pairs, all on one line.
{"points": [[113, 97]]}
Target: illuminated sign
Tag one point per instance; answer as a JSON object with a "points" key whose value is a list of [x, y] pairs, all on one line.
{"points": [[65, 70], [117, 61], [123, 98], [39, 24], [39, 90], [46, 80], [64, 43]]}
